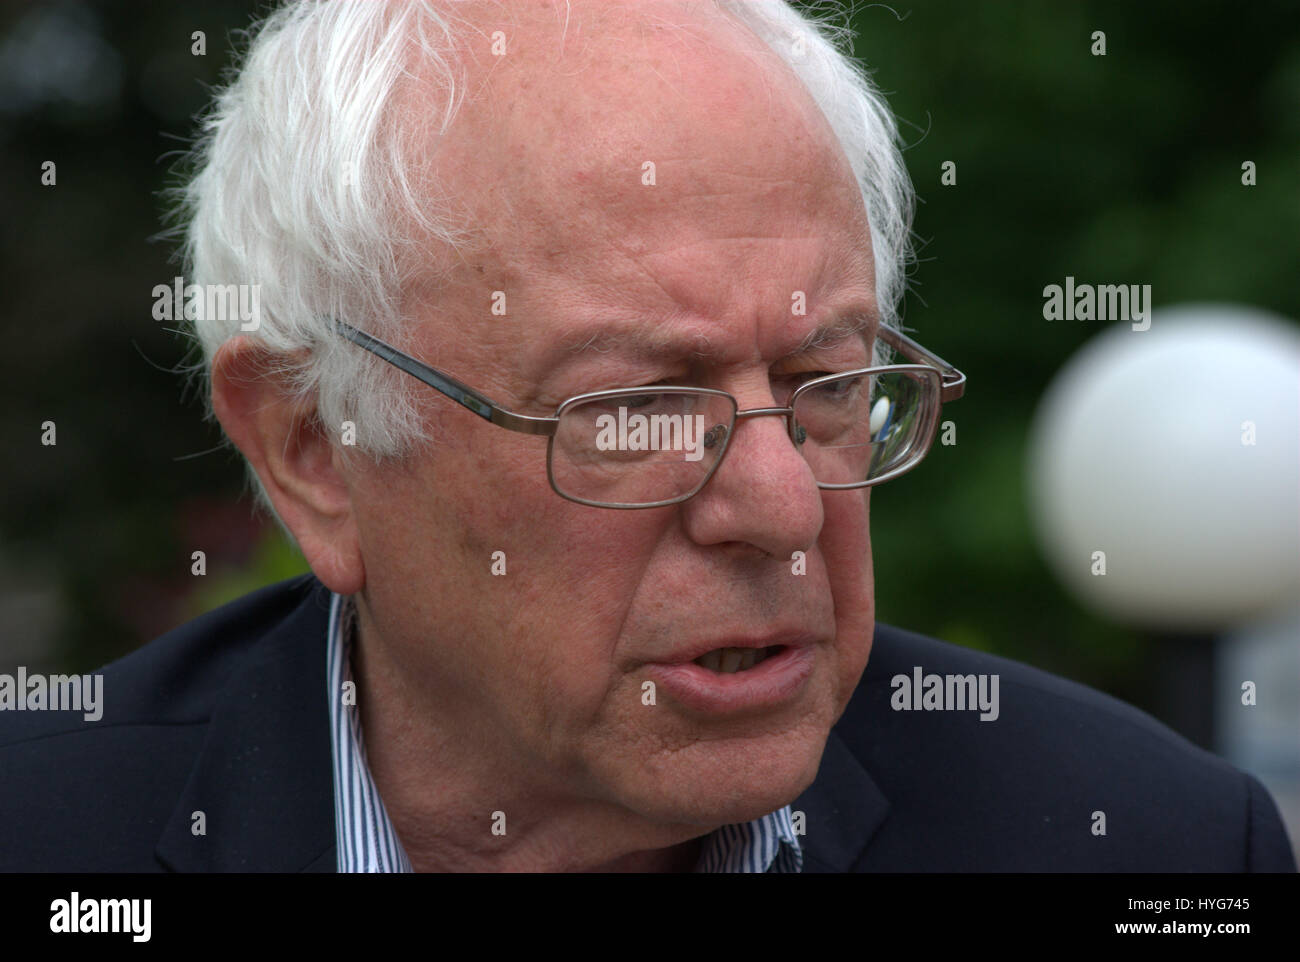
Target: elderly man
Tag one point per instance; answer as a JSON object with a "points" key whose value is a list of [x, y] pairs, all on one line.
{"points": [[570, 379]]}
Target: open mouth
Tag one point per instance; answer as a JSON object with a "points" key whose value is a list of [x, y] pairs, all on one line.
{"points": [[727, 661]]}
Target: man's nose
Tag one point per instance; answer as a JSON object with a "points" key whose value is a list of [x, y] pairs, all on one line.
{"points": [[763, 493]]}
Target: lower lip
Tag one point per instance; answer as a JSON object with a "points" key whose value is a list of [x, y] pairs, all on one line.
{"points": [[776, 679]]}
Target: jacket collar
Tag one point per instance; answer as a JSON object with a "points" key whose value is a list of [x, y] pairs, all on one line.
{"points": [[264, 777], [843, 808]]}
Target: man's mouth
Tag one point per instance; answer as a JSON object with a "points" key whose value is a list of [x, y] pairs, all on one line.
{"points": [[739, 678], [727, 661]]}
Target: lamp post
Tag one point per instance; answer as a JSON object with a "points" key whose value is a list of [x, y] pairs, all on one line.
{"points": [[1164, 473]]}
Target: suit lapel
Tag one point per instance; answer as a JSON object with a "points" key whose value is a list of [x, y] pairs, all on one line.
{"points": [[843, 807], [264, 778]]}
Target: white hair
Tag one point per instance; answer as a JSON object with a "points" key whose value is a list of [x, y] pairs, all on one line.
{"points": [[302, 184]]}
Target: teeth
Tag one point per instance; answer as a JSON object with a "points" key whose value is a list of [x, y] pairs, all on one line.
{"points": [[728, 661]]}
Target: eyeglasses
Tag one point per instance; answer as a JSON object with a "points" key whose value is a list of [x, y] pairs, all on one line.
{"points": [[650, 447]]}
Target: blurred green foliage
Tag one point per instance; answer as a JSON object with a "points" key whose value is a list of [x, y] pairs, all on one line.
{"points": [[1124, 168], [274, 558]]}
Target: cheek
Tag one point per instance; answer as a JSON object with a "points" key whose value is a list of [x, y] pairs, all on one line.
{"points": [[563, 610], [846, 546], [526, 594], [542, 583]]}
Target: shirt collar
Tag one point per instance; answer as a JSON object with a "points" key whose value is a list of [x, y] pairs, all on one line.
{"points": [[365, 836]]}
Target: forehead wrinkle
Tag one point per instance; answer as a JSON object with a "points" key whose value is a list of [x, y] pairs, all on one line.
{"points": [[673, 344], [644, 343]]}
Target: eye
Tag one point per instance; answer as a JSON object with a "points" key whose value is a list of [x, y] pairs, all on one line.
{"points": [[651, 397], [632, 401], [790, 382]]}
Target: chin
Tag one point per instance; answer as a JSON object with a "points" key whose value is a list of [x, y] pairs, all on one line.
{"points": [[729, 780]]}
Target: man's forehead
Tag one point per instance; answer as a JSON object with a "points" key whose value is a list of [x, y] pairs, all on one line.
{"points": [[582, 104], [666, 180]]}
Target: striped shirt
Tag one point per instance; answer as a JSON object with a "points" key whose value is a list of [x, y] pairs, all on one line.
{"points": [[365, 836]]}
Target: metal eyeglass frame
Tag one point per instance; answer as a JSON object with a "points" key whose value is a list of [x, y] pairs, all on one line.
{"points": [[952, 385]]}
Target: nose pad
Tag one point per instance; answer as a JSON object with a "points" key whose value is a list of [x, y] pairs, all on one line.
{"points": [[800, 434]]}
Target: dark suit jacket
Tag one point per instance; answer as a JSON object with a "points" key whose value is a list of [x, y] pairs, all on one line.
{"points": [[227, 715]]}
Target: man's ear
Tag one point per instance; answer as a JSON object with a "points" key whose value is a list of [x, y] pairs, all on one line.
{"points": [[291, 453]]}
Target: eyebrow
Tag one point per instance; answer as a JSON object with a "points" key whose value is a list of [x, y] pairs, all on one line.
{"points": [[836, 331], [641, 342]]}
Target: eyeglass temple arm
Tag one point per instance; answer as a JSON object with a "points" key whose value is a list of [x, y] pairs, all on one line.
{"points": [[954, 381], [462, 394]]}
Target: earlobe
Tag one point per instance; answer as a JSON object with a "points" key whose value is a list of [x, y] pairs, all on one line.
{"points": [[293, 455]]}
